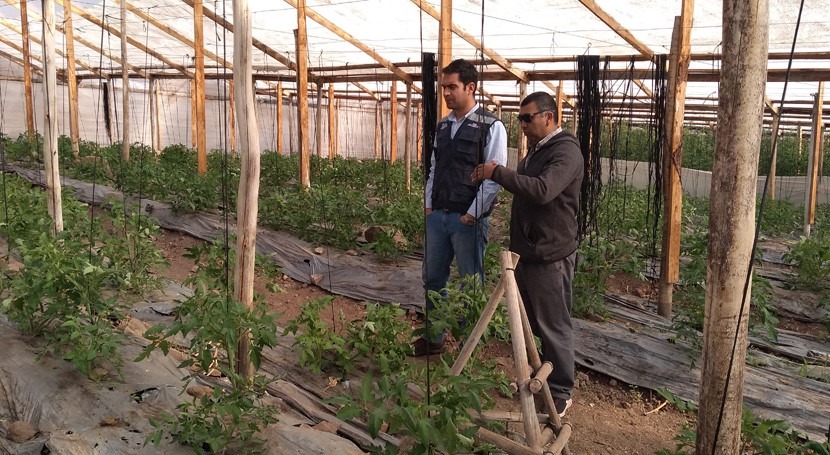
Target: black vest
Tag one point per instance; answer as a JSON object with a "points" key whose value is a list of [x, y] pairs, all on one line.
{"points": [[456, 158]]}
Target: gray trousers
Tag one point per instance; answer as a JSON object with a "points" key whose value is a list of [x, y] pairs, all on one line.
{"points": [[547, 290]]}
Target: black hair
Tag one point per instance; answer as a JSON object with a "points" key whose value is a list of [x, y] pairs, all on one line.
{"points": [[544, 102], [467, 72]]}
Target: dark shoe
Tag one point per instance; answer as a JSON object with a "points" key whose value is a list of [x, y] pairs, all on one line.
{"points": [[562, 405], [422, 347]]}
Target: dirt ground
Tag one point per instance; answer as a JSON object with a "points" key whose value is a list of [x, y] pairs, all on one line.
{"points": [[608, 417]]}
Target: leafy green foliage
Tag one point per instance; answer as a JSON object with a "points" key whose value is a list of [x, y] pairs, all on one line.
{"points": [[318, 343], [812, 257]]}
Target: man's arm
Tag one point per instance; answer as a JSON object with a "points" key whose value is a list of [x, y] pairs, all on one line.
{"points": [[430, 180], [556, 175], [496, 150]]}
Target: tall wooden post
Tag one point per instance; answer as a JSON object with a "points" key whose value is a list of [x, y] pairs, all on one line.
{"points": [[419, 147], [158, 116], [302, 93], [672, 189], [292, 138], [332, 126], [521, 146], [50, 130], [71, 80], [246, 205], [773, 169], [732, 225], [407, 142], [27, 72], [319, 121], [151, 98], [125, 88], [199, 50], [444, 49], [559, 99], [336, 128], [110, 107], [378, 109], [813, 159], [279, 118], [393, 122], [232, 118], [800, 140], [193, 112]]}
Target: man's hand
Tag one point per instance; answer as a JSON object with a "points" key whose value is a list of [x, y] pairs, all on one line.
{"points": [[468, 219], [427, 212], [484, 171]]}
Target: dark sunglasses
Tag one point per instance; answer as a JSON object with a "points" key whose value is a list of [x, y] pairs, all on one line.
{"points": [[526, 118]]}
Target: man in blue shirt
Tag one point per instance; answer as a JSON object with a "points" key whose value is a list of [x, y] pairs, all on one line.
{"points": [[457, 210]]}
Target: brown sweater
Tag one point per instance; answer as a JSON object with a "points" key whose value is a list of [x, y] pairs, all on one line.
{"points": [[546, 188]]}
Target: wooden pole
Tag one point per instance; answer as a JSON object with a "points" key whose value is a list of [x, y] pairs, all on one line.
{"points": [[318, 125], [378, 108], [232, 118], [813, 159], [337, 129], [732, 225], [559, 98], [151, 83], [393, 122], [279, 118], [110, 93], [193, 112], [332, 126], [444, 49], [157, 97], [125, 89], [774, 161], [246, 205], [50, 130], [302, 93], [71, 81], [800, 140], [522, 139], [407, 142], [672, 189], [419, 147], [292, 138], [199, 49], [27, 72]]}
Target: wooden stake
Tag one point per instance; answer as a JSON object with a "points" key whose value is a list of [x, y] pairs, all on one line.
{"points": [[732, 225], [151, 82], [27, 72], [50, 130], [302, 93], [800, 140], [125, 90], [813, 160], [774, 165], [332, 126], [71, 82], [393, 122], [199, 49], [378, 108], [279, 118], [232, 118], [559, 97], [672, 189], [444, 49], [318, 130], [193, 112], [522, 142], [246, 206], [407, 142], [419, 147], [157, 96]]}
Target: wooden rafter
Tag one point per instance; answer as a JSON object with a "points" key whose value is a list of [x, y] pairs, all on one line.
{"points": [[316, 17], [137, 44], [609, 20], [19, 60]]}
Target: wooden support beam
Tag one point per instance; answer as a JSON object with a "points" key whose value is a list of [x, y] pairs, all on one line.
{"points": [[419, 146], [135, 43], [199, 60], [193, 96], [444, 50], [559, 103], [732, 226], [318, 130], [378, 110], [407, 141], [154, 115], [27, 72], [522, 139], [332, 126], [612, 23], [232, 118], [18, 61], [227, 25], [673, 155], [279, 118], [72, 84], [813, 159], [302, 91], [248, 194], [316, 17], [367, 90], [776, 119], [50, 128], [393, 122], [125, 91]]}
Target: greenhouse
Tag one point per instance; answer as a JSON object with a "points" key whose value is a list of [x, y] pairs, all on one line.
{"points": [[414, 226]]}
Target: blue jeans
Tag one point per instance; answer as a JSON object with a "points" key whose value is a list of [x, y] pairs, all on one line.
{"points": [[448, 237]]}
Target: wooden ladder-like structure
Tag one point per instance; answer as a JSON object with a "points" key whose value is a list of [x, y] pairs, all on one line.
{"points": [[544, 433]]}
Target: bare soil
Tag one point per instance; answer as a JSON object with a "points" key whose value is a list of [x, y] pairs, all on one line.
{"points": [[608, 417]]}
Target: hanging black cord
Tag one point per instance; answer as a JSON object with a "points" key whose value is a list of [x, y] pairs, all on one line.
{"points": [[755, 238], [102, 92]]}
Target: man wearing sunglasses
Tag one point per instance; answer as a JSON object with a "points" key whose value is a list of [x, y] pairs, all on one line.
{"points": [[456, 208], [543, 231]]}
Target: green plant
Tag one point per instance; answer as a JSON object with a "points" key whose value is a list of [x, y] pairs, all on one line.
{"points": [[318, 344], [679, 403], [135, 259], [459, 306], [812, 257]]}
